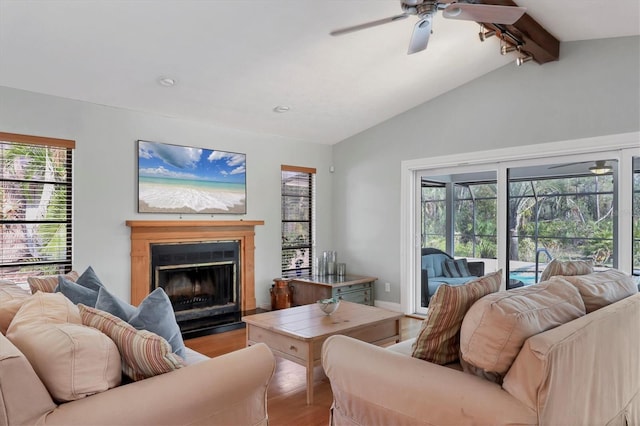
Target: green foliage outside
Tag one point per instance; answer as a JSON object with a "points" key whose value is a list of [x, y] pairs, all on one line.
{"points": [[572, 218], [33, 196]]}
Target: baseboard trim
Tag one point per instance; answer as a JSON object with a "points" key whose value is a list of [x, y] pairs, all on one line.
{"points": [[391, 306]]}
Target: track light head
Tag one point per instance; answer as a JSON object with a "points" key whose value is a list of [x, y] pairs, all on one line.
{"points": [[485, 34], [507, 48], [522, 59]]}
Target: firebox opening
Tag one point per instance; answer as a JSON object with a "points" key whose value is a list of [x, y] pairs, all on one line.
{"points": [[201, 280]]}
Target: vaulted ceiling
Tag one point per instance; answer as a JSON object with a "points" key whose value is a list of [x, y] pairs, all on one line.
{"points": [[234, 61]]}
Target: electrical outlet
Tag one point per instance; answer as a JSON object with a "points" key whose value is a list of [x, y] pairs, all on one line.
{"points": [[387, 287]]}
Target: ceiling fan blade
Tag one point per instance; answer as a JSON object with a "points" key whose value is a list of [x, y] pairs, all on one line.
{"points": [[366, 25], [484, 13], [568, 164], [420, 36]]}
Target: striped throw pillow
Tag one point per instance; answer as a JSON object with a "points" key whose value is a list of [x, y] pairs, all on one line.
{"points": [[456, 268], [567, 268], [439, 338], [144, 354], [48, 283]]}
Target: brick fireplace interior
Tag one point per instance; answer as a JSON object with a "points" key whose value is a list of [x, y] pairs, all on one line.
{"points": [[205, 267]]}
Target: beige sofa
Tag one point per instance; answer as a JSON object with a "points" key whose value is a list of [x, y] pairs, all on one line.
{"points": [[226, 390], [583, 372]]}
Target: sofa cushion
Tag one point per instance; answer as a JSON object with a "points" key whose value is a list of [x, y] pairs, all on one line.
{"points": [[566, 268], [76, 292], [455, 268], [155, 313], [83, 290], [48, 283], [438, 340], [434, 261], [46, 307], [144, 354], [600, 289], [496, 326], [73, 361], [11, 299]]}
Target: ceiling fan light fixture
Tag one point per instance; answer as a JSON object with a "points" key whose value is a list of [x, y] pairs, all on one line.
{"points": [[452, 12], [601, 168]]}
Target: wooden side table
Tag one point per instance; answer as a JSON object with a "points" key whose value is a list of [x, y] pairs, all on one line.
{"points": [[352, 288]]}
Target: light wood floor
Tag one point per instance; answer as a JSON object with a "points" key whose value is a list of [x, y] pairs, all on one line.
{"points": [[286, 400]]}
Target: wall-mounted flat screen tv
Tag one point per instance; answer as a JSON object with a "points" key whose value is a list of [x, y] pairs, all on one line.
{"points": [[182, 179]]}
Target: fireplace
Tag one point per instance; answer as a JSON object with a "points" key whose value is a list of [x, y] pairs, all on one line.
{"points": [[191, 260], [201, 280]]}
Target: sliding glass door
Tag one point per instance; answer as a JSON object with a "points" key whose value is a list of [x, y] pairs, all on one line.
{"points": [[520, 214], [560, 211]]}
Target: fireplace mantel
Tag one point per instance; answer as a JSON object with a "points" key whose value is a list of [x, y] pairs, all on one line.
{"points": [[147, 232]]}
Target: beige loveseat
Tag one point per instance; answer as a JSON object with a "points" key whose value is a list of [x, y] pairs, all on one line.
{"points": [[226, 390], [583, 372]]}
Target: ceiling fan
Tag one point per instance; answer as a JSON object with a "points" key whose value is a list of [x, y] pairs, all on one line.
{"points": [[425, 10], [600, 167]]}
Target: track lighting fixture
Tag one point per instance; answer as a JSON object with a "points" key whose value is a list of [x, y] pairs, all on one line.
{"points": [[485, 34], [522, 59], [507, 48]]}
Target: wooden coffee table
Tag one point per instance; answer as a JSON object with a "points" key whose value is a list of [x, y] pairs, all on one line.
{"points": [[297, 333]]}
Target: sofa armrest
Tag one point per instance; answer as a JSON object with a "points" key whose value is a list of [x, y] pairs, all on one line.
{"points": [[476, 268], [372, 385], [229, 389]]}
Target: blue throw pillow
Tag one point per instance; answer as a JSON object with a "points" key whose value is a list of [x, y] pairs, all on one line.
{"points": [[155, 314], [114, 305], [89, 279], [76, 292], [456, 268]]}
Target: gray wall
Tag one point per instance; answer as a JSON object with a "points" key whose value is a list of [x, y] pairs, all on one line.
{"points": [[593, 90], [105, 177]]}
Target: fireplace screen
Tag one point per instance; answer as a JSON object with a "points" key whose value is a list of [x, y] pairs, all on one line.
{"points": [[201, 279], [198, 286]]}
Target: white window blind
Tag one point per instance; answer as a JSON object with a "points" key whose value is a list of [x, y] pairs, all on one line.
{"points": [[36, 206], [297, 206]]}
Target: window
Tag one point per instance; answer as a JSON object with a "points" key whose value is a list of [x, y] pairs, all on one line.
{"points": [[475, 220], [636, 216], [567, 217], [434, 207], [36, 201], [474, 217], [298, 211]]}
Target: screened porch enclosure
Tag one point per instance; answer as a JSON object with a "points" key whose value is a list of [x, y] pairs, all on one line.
{"points": [[554, 211]]}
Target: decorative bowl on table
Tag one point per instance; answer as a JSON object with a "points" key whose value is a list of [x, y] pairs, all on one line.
{"points": [[328, 306]]}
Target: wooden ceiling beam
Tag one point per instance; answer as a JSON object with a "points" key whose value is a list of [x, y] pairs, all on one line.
{"points": [[537, 41]]}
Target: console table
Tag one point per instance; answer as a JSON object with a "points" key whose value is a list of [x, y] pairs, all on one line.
{"points": [[352, 288]]}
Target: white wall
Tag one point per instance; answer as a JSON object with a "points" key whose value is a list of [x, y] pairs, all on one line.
{"points": [[105, 177], [593, 90]]}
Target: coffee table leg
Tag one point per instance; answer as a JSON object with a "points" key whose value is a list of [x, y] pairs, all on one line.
{"points": [[310, 375]]}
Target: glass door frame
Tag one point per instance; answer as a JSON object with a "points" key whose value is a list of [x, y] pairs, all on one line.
{"points": [[621, 147]]}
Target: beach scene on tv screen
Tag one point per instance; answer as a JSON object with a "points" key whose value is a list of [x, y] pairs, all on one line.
{"points": [[181, 179]]}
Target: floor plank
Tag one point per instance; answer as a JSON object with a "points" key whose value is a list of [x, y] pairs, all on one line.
{"points": [[287, 394]]}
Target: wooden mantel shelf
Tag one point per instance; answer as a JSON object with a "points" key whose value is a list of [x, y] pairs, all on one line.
{"points": [[191, 223], [144, 233]]}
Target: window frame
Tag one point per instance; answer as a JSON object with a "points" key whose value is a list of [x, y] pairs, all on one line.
{"points": [[309, 244], [64, 263]]}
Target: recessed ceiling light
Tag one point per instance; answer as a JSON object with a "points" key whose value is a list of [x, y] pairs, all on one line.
{"points": [[166, 81], [281, 109]]}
